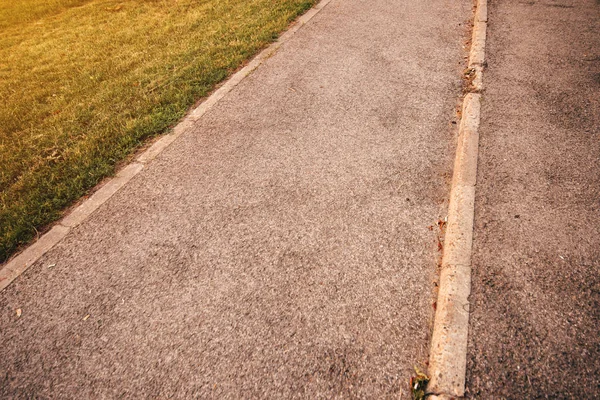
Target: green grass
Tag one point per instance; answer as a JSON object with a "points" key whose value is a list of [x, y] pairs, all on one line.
{"points": [[84, 82]]}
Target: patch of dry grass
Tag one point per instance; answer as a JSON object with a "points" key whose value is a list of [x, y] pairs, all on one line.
{"points": [[84, 82]]}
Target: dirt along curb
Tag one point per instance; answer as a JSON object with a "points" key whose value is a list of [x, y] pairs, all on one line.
{"points": [[22, 261], [448, 353]]}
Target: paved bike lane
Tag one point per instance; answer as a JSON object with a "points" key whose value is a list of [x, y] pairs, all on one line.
{"points": [[279, 248]]}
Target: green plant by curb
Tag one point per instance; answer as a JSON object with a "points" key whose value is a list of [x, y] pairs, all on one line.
{"points": [[418, 385]]}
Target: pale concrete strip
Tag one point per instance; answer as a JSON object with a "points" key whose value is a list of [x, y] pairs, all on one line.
{"points": [[477, 83], [255, 63], [78, 215], [17, 265], [27, 258], [448, 357], [468, 141], [162, 143], [440, 397], [477, 54], [481, 13], [232, 82], [447, 360], [459, 232], [157, 148]]}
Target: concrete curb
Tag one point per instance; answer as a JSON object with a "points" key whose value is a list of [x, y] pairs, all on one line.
{"points": [[477, 54], [448, 353], [440, 397], [19, 263]]}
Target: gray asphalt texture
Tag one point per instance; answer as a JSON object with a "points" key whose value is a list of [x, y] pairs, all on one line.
{"points": [[280, 249], [536, 286]]}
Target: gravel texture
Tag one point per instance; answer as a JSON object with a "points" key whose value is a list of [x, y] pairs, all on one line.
{"points": [[278, 249], [536, 264]]}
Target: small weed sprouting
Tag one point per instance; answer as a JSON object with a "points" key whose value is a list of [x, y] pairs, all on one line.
{"points": [[418, 385]]}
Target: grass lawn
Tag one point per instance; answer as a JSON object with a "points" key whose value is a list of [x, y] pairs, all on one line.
{"points": [[84, 82]]}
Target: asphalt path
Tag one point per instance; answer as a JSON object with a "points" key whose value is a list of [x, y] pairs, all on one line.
{"points": [[280, 248], [536, 264]]}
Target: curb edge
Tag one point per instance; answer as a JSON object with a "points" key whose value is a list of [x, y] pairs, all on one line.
{"points": [[448, 351]]}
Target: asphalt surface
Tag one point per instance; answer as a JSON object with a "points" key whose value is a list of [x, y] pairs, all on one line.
{"points": [[535, 318], [281, 248]]}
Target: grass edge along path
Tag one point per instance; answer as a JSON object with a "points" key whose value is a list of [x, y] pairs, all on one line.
{"points": [[81, 90]]}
